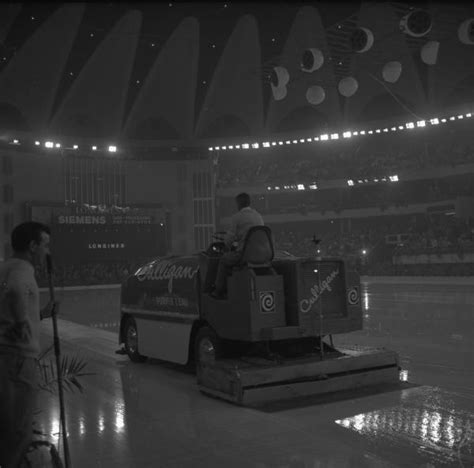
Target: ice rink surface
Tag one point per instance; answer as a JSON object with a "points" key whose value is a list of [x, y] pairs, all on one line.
{"points": [[152, 414]]}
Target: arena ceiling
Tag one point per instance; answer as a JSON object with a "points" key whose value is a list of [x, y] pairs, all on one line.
{"points": [[182, 71]]}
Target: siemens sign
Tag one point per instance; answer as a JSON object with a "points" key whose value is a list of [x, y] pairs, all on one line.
{"points": [[81, 219]]}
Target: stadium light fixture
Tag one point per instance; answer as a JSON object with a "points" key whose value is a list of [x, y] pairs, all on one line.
{"points": [[468, 115], [255, 145], [394, 129], [49, 144], [274, 143], [370, 132], [295, 141], [237, 146], [364, 252], [385, 130], [401, 127], [443, 120], [280, 143], [76, 147], [355, 133], [313, 186], [266, 144], [316, 138], [94, 148], [335, 136], [231, 147], [301, 187], [393, 178], [378, 130], [410, 125], [434, 121], [210, 148], [460, 116], [421, 123], [37, 143], [245, 146], [452, 118], [288, 142], [277, 187], [58, 145], [224, 148], [269, 188], [347, 134], [218, 148], [309, 140], [301, 140], [362, 132], [112, 149], [15, 142], [350, 183], [324, 137]]}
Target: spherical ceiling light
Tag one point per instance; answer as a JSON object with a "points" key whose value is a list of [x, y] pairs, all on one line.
{"points": [[315, 95], [362, 39], [417, 23], [391, 72], [429, 52], [348, 86], [312, 59], [466, 31], [279, 78], [279, 93]]}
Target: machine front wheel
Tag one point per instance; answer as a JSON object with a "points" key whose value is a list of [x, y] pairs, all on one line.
{"points": [[207, 346], [131, 341]]}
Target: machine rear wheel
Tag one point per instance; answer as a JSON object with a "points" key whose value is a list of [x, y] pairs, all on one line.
{"points": [[207, 346], [131, 341]]}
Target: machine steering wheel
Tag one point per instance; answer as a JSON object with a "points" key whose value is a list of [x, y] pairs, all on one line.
{"points": [[219, 236], [218, 247]]}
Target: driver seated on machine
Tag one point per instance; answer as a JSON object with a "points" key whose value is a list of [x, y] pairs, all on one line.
{"points": [[245, 218]]}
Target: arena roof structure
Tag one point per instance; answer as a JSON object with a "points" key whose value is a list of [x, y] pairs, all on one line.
{"points": [[381, 61]]}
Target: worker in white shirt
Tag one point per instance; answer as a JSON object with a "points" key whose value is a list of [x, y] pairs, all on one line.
{"points": [[245, 218], [20, 317]]}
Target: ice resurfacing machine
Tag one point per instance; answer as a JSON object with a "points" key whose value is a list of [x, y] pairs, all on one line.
{"points": [[268, 340]]}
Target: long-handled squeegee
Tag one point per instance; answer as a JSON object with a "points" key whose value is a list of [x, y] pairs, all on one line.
{"points": [[57, 353]]}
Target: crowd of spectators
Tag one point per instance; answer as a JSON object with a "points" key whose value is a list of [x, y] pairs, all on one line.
{"points": [[360, 157], [366, 246], [377, 196], [362, 243]]}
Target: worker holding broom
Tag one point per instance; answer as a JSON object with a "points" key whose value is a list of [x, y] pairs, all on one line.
{"points": [[20, 317]]}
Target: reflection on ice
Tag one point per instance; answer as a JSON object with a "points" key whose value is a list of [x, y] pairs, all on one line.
{"points": [[101, 423], [82, 426], [430, 427], [119, 416]]}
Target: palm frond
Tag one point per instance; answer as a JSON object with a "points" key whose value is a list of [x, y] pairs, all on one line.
{"points": [[71, 369]]}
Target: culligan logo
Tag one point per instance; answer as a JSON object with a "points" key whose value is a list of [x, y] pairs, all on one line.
{"points": [[317, 290], [166, 270]]}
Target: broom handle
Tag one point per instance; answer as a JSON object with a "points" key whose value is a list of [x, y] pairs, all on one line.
{"points": [[57, 353]]}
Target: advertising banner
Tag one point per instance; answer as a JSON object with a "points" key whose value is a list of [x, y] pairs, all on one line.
{"points": [[83, 235]]}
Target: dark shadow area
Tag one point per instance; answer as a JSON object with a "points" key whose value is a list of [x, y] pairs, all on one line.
{"points": [[346, 395]]}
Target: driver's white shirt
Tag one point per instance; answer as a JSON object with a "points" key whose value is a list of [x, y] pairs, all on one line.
{"points": [[242, 221]]}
